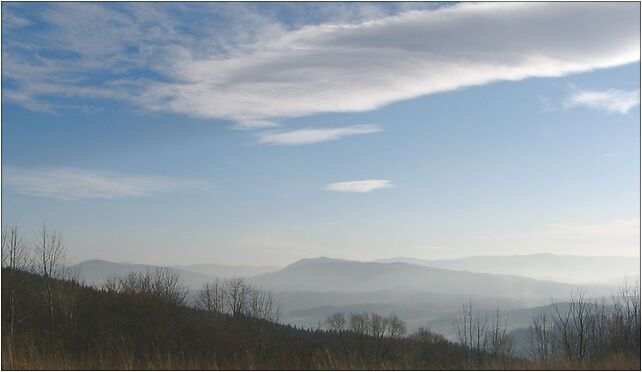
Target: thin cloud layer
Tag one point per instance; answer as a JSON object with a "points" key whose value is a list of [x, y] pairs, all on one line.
{"points": [[282, 72], [306, 136], [359, 186], [613, 229], [70, 184], [612, 100]]}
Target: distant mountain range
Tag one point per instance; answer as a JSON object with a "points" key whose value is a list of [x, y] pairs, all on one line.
{"points": [[326, 274], [521, 276], [544, 266]]}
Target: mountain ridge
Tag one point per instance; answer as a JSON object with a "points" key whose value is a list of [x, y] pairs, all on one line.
{"points": [[542, 266], [325, 274]]}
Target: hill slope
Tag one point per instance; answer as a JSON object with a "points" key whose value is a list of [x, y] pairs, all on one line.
{"points": [[102, 330]]}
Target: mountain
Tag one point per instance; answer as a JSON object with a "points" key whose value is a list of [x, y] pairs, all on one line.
{"points": [[324, 274], [568, 269], [227, 271], [96, 271]]}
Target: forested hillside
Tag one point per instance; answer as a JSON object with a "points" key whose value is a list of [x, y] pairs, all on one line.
{"points": [[87, 328]]}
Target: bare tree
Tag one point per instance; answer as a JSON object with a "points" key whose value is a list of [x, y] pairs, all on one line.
{"points": [[336, 322], [359, 323], [49, 260], [262, 306], [377, 325], [236, 295], [15, 257], [161, 283], [573, 327], [396, 326], [167, 284], [542, 338], [499, 343], [15, 253], [625, 334], [471, 329], [210, 298], [581, 313]]}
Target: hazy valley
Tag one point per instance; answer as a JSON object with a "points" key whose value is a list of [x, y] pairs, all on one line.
{"points": [[423, 293]]}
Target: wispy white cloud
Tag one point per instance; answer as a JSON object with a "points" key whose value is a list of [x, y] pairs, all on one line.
{"points": [[255, 124], [306, 136], [359, 186], [608, 229], [71, 183], [323, 68], [268, 70], [612, 100]]}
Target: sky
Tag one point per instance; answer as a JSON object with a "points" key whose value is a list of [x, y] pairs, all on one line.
{"points": [[263, 133]]}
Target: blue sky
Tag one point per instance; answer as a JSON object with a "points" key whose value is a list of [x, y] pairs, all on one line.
{"points": [[264, 133]]}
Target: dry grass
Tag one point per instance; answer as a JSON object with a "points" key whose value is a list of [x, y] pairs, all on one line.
{"points": [[31, 358]]}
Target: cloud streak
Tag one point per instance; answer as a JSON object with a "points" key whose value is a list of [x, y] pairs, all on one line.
{"points": [[336, 66], [608, 229], [72, 184], [307, 136], [359, 186], [612, 100]]}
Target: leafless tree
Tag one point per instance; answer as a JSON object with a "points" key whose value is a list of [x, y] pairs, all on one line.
{"points": [[236, 297], [377, 325], [625, 333], [49, 263], [15, 253], [262, 305], [336, 322], [542, 338], [210, 298], [572, 327], [396, 326], [499, 343], [359, 323], [167, 284], [161, 283], [15, 256], [471, 329]]}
